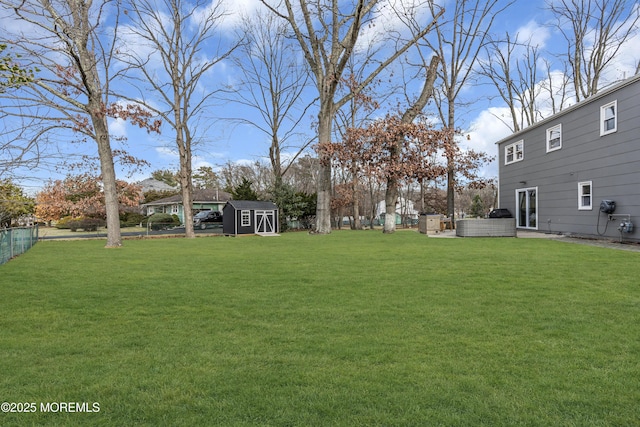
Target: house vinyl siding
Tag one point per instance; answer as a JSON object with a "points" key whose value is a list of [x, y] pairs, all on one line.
{"points": [[610, 162]]}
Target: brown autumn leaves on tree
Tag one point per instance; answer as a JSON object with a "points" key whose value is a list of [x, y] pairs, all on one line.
{"points": [[80, 196], [393, 150]]}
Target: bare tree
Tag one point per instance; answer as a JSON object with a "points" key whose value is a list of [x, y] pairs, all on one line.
{"points": [[70, 93], [272, 83], [460, 37], [303, 174], [327, 32], [594, 31], [556, 86], [512, 67], [18, 150], [168, 52]]}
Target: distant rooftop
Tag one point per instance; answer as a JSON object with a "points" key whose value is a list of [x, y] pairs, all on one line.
{"points": [[151, 184]]}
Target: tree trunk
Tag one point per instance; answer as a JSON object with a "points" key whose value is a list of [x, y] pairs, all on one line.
{"points": [[107, 169], [323, 208], [276, 163], [390, 200], [186, 185], [357, 224], [422, 196], [451, 188], [451, 167]]}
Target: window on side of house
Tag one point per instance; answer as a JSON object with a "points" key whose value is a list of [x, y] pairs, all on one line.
{"points": [[609, 118], [514, 152], [585, 195], [174, 209], [554, 138], [245, 218]]}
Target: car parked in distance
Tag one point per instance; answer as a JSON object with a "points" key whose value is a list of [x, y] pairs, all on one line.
{"points": [[201, 219]]}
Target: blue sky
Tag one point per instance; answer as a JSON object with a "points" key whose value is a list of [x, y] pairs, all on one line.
{"points": [[228, 142]]}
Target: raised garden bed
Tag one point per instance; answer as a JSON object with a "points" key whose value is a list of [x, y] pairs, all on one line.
{"points": [[494, 227]]}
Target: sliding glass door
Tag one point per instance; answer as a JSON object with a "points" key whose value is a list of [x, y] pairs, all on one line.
{"points": [[527, 207]]}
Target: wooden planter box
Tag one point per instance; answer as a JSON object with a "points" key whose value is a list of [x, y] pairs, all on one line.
{"points": [[498, 227]]}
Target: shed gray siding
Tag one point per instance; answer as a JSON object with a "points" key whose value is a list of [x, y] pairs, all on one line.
{"points": [[257, 210], [611, 162]]}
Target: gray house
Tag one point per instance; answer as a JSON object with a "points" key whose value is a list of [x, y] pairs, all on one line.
{"points": [[554, 174], [211, 199]]}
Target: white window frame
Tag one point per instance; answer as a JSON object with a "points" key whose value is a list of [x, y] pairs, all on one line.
{"points": [[604, 119], [245, 218], [517, 152], [550, 131], [531, 211], [581, 194], [175, 209]]}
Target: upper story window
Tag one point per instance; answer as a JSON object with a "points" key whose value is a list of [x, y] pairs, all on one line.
{"points": [[609, 118], [554, 138], [584, 195], [514, 152]]}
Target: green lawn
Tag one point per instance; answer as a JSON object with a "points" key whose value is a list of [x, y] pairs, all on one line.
{"points": [[349, 329]]}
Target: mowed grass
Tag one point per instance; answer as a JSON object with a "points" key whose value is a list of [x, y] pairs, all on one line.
{"points": [[348, 329]]}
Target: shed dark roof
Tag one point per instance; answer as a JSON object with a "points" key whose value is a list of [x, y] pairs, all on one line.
{"points": [[199, 196], [251, 204]]}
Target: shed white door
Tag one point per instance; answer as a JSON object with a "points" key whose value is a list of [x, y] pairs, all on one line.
{"points": [[265, 222]]}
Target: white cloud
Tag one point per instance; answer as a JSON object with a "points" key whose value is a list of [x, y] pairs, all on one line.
{"points": [[167, 153], [245, 162], [534, 34], [235, 10], [171, 156], [118, 128], [389, 17], [199, 162], [487, 129]]}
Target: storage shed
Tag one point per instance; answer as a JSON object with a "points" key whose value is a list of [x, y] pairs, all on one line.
{"points": [[249, 217]]}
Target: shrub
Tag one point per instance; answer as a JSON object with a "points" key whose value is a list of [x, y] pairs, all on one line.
{"points": [[86, 224], [132, 219], [63, 223], [161, 220]]}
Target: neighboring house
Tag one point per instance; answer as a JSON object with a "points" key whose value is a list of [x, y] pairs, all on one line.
{"points": [[202, 200], [554, 174], [249, 217], [405, 212], [151, 184]]}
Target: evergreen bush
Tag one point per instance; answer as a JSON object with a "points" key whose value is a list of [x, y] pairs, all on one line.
{"points": [[159, 221], [132, 219]]}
